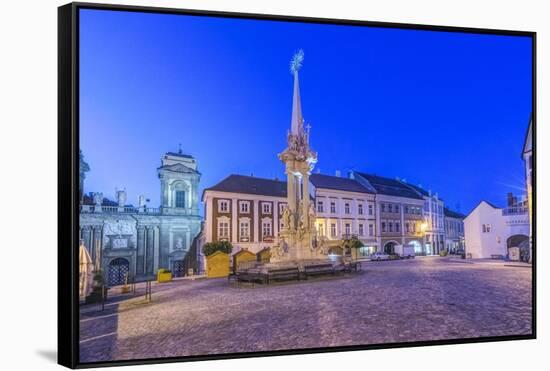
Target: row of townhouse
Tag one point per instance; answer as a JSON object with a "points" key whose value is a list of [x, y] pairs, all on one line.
{"points": [[381, 212]]}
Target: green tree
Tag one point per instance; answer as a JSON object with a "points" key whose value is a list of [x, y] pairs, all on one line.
{"points": [[211, 247]]}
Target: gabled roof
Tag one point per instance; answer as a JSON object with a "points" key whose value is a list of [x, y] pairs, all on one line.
{"points": [[179, 168], [250, 185], [390, 187], [480, 203], [337, 183], [453, 214]]}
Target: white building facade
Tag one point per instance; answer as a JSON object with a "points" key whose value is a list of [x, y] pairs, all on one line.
{"points": [[490, 232]]}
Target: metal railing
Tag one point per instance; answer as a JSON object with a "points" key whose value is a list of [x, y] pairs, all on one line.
{"points": [[515, 210]]}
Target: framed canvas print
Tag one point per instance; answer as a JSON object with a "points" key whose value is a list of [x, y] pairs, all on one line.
{"points": [[242, 185]]}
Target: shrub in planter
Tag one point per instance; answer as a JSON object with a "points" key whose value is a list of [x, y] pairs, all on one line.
{"points": [[212, 247], [394, 257], [443, 252]]}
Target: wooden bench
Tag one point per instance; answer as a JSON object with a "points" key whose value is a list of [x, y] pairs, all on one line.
{"points": [[318, 270], [282, 274], [497, 257]]}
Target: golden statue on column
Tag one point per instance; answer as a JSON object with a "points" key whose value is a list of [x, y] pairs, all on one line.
{"points": [[297, 237]]}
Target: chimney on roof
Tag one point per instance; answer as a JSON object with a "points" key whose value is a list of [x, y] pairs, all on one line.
{"points": [[351, 175], [404, 180], [338, 173], [430, 192]]}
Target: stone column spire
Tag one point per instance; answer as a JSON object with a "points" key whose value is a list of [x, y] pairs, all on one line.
{"points": [[297, 120]]}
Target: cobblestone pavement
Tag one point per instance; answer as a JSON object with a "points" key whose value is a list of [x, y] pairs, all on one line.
{"points": [[394, 301]]}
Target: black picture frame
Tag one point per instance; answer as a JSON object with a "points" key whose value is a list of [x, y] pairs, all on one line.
{"points": [[68, 200]]}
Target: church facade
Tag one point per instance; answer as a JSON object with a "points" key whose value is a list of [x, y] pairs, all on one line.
{"points": [[126, 240]]}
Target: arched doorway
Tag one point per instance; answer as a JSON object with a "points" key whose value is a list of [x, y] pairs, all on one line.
{"points": [[521, 242], [389, 248], [119, 268]]}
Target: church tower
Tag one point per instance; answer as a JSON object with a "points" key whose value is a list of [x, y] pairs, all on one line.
{"points": [[298, 232]]}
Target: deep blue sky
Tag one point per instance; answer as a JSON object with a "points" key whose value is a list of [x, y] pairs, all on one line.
{"points": [[446, 110]]}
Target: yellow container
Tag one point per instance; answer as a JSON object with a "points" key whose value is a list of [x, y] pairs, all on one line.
{"points": [[217, 265], [242, 256], [164, 275]]}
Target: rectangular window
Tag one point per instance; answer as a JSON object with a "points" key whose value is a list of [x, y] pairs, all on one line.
{"points": [[281, 207], [390, 208], [390, 226], [223, 206], [414, 227], [397, 226], [245, 230], [383, 207], [348, 229], [396, 208], [321, 229], [406, 209], [180, 198], [371, 230], [361, 231], [320, 206], [333, 207], [407, 227], [486, 228], [266, 229], [346, 208], [383, 226], [223, 230], [245, 207], [333, 230], [370, 210], [266, 208], [360, 209]]}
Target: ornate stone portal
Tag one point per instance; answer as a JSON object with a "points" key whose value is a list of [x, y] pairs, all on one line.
{"points": [[297, 239]]}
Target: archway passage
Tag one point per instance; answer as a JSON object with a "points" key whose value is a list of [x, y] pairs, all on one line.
{"points": [[521, 242], [119, 269], [389, 248]]}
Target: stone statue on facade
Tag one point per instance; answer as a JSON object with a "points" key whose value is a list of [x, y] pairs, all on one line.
{"points": [[287, 218], [141, 201], [121, 197], [311, 216], [98, 198]]}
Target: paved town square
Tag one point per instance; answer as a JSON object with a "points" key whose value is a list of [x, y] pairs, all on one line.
{"points": [[427, 298]]}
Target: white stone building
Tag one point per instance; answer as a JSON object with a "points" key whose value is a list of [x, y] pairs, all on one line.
{"points": [[491, 231]]}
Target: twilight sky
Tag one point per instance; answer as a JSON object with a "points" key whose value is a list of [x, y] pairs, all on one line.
{"points": [[445, 110]]}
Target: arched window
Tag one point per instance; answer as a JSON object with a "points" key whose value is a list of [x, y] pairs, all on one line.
{"points": [[179, 194], [180, 198]]}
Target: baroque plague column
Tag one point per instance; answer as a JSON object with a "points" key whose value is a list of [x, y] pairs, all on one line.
{"points": [[297, 239]]}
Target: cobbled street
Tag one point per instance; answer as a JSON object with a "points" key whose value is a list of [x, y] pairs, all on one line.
{"points": [[393, 301]]}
